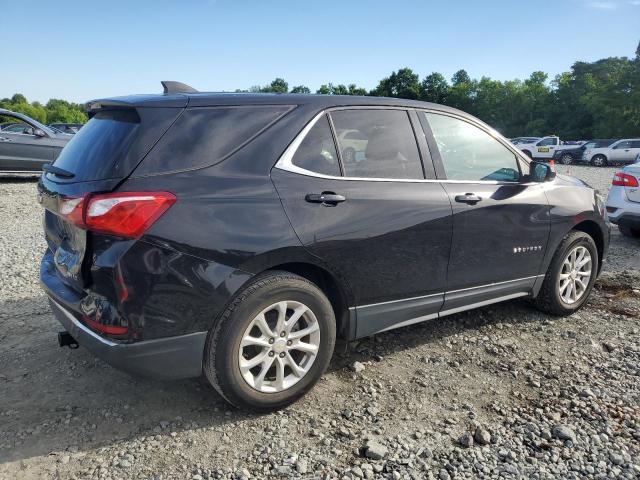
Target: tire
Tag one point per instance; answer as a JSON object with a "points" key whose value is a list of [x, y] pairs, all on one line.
{"points": [[222, 359], [349, 155], [527, 153], [629, 232], [599, 161], [549, 298], [566, 159]]}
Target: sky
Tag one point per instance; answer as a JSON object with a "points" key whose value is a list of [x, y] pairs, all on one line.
{"points": [[79, 50]]}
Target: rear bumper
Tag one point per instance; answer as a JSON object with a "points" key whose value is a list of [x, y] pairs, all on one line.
{"points": [[165, 358]]}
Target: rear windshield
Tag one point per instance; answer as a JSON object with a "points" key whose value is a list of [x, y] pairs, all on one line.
{"points": [[96, 152], [203, 136]]}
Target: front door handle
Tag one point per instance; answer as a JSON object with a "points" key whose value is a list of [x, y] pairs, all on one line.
{"points": [[325, 198], [470, 198]]}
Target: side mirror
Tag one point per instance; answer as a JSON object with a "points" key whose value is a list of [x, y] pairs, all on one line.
{"points": [[541, 172], [38, 132]]}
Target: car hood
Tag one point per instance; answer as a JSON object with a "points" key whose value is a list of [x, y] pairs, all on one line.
{"points": [[568, 180]]}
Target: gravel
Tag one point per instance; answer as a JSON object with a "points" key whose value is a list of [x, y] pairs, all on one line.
{"points": [[531, 395]]}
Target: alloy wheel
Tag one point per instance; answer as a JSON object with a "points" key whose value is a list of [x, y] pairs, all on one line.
{"points": [[575, 275], [279, 346]]}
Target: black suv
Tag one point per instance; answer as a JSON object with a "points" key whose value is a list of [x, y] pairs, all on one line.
{"points": [[225, 234]]}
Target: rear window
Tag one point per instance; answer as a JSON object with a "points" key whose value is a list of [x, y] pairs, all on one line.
{"points": [[204, 136], [96, 152]]}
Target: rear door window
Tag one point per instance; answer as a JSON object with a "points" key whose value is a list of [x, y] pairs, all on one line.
{"points": [[377, 143], [317, 152]]}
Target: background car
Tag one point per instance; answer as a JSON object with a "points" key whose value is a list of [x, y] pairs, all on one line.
{"points": [[568, 156], [26, 144], [623, 201], [70, 128], [622, 151]]}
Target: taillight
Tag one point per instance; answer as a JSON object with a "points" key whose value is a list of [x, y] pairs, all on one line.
{"points": [[124, 214], [624, 180]]}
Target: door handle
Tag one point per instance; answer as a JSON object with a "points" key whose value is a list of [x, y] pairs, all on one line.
{"points": [[325, 198], [470, 198]]}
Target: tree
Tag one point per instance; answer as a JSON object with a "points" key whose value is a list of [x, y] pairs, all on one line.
{"points": [[277, 86], [434, 88], [300, 89], [401, 84]]}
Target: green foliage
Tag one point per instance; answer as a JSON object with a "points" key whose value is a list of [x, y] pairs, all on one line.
{"points": [[54, 111], [597, 99]]}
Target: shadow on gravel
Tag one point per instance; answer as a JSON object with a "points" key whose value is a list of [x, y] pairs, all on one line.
{"points": [[56, 399]]}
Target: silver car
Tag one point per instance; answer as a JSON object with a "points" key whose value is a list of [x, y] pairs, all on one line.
{"points": [[26, 144], [623, 202]]}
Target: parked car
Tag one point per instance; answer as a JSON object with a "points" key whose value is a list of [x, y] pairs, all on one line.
{"points": [[519, 140], [224, 233], [623, 202], [544, 148], [26, 144], [622, 151], [354, 144], [70, 128], [568, 156]]}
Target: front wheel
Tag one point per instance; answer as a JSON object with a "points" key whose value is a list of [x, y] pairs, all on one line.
{"points": [[272, 343], [571, 275], [599, 161]]}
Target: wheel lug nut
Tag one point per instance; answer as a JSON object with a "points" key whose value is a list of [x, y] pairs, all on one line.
{"points": [[282, 334], [282, 355], [271, 340], [289, 342], [271, 354]]}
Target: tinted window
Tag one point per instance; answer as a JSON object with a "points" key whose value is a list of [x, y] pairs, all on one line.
{"points": [[101, 144], [204, 136], [624, 144], [317, 151], [386, 146], [469, 153], [589, 145]]}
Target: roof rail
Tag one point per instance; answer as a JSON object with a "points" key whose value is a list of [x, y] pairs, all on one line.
{"points": [[176, 87]]}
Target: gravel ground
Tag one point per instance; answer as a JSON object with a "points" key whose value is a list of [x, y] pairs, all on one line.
{"points": [[503, 391]]}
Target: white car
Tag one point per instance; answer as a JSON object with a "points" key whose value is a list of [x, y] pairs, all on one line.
{"points": [[623, 202], [622, 151], [543, 148]]}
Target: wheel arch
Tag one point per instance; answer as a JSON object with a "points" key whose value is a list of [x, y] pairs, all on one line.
{"points": [[592, 229], [335, 291]]}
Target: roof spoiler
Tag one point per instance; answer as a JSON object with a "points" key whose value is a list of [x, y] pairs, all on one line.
{"points": [[176, 87]]}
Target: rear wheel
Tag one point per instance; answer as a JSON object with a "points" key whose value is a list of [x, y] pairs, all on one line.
{"points": [[629, 232], [566, 159], [599, 161], [279, 335], [571, 275]]}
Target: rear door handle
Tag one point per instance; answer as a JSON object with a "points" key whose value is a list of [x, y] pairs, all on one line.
{"points": [[325, 198], [470, 198]]}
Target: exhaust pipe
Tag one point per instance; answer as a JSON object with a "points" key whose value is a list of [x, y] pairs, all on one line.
{"points": [[66, 340]]}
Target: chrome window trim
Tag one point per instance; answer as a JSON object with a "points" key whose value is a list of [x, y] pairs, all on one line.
{"points": [[285, 162]]}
